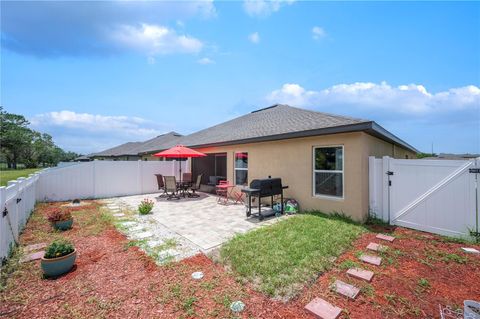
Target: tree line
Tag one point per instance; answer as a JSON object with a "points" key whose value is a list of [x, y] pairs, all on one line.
{"points": [[19, 144]]}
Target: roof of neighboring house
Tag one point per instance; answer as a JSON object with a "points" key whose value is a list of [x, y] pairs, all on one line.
{"points": [[123, 149], [282, 122], [158, 143]]}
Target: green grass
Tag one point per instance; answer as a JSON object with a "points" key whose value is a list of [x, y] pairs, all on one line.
{"points": [[281, 258], [12, 174]]}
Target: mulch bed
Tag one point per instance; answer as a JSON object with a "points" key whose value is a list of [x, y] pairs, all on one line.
{"points": [[112, 280]]}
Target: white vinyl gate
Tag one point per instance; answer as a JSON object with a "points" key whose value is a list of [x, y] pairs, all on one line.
{"points": [[438, 196]]}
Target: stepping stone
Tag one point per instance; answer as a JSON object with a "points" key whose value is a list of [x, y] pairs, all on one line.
{"points": [[32, 257], [362, 274], [143, 235], [369, 259], [169, 253], [128, 224], [322, 309], [470, 250], [136, 228], [34, 247], [345, 289], [197, 275], [119, 215], [385, 237], [376, 247]]}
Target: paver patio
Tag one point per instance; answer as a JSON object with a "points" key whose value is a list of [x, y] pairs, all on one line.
{"points": [[202, 221]]}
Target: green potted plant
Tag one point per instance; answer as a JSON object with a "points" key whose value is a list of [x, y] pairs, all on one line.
{"points": [[61, 219], [145, 206], [59, 258]]}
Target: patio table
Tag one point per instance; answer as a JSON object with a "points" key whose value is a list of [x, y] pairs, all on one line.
{"points": [[183, 188]]}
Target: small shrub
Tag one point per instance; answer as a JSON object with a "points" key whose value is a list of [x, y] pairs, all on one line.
{"points": [[424, 283], [59, 248], [145, 206], [59, 215]]}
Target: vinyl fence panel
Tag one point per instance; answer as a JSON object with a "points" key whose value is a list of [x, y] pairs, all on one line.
{"points": [[101, 179], [17, 201], [438, 196]]}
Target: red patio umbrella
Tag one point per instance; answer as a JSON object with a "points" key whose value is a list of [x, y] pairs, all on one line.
{"points": [[179, 151]]}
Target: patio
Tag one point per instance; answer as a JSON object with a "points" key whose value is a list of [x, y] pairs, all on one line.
{"points": [[196, 224]]}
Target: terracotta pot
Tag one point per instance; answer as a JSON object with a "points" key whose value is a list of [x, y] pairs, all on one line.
{"points": [[63, 224], [53, 267]]}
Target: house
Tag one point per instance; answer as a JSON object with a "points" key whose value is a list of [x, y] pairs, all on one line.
{"points": [[123, 152], [132, 151], [323, 158]]}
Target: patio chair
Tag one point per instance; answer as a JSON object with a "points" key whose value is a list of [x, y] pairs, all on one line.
{"points": [[222, 192], [161, 185], [196, 187], [187, 177], [171, 189]]}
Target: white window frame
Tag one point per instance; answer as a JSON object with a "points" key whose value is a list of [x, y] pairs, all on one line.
{"points": [[331, 197], [240, 168]]}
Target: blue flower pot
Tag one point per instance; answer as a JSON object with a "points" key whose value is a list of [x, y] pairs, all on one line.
{"points": [[63, 224], [53, 267]]}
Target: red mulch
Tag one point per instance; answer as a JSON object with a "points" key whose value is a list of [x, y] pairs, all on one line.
{"points": [[113, 281]]}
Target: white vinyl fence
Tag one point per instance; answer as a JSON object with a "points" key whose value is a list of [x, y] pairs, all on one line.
{"points": [[17, 201], [438, 196], [97, 179], [101, 179]]}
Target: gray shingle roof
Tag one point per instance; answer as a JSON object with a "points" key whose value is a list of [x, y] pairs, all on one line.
{"points": [[272, 123], [160, 142], [123, 149], [278, 120]]}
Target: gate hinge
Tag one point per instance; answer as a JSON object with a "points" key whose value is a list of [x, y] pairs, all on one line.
{"points": [[474, 170], [19, 200], [475, 234], [5, 212], [389, 173]]}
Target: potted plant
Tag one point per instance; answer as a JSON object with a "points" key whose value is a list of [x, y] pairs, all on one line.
{"points": [[145, 206], [61, 219], [59, 258]]}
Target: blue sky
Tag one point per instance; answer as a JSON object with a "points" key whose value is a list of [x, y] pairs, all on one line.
{"points": [[97, 74]]}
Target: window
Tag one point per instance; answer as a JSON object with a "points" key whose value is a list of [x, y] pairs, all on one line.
{"points": [[328, 171], [241, 168]]}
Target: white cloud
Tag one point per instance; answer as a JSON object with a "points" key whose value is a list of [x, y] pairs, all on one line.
{"points": [[263, 8], [205, 61], [254, 37], [85, 132], [318, 33], [407, 99], [155, 40]]}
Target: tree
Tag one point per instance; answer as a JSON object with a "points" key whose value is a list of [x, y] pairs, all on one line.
{"points": [[15, 136], [22, 144]]}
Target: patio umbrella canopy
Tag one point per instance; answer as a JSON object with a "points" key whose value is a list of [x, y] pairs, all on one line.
{"points": [[179, 151]]}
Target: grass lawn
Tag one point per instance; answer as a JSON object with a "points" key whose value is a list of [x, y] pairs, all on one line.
{"points": [[11, 174], [280, 259]]}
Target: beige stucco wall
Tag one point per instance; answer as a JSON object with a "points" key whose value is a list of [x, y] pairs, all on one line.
{"points": [[292, 160]]}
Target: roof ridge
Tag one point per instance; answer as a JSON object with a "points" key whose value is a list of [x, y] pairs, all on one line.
{"points": [[326, 113]]}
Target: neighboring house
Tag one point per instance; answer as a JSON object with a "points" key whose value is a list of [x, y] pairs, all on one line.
{"points": [[132, 151], [83, 158], [123, 152], [323, 158]]}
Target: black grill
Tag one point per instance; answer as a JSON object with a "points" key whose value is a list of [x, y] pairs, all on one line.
{"points": [[267, 187]]}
